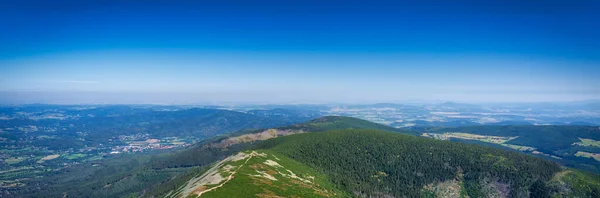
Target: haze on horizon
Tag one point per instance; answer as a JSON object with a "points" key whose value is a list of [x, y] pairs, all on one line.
{"points": [[73, 52]]}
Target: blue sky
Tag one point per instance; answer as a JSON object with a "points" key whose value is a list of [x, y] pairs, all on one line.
{"points": [[298, 51]]}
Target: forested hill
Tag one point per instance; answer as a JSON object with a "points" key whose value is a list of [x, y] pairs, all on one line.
{"points": [[211, 150], [377, 163], [372, 163], [573, 146], [226, 144]]}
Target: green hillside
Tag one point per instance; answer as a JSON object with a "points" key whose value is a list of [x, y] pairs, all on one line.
{"points": [[219, 147], [328, 123], [261, 173]]}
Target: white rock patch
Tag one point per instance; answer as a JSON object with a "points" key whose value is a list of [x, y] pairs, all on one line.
{"points": [[238, 157], [265, 175], [259, 154], [272, 163], [294, 176]]}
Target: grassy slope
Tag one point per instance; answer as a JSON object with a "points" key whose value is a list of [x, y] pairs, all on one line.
{"points": [[246, 184]]}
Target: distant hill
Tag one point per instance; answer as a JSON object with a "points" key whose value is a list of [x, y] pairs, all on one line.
{"points": [[199, 123], [582, 123], [513, 122], [451, 123], [372, 163], [341, 122]]}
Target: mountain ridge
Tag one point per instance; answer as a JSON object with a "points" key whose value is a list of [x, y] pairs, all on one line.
{"points": [[372, 163]]}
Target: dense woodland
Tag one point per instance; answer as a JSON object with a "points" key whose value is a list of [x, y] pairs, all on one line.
{"points": [[379, 163], [340, 122]]}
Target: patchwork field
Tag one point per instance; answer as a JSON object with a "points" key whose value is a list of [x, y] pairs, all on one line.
{"points": [[595, 156], [468, 136], [587, 142], [500, 140]]}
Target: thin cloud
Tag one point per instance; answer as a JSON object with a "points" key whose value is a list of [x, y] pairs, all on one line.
{"points": [[73, 81]]}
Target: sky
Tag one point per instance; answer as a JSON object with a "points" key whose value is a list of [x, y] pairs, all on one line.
{"points": [[194, 52]]}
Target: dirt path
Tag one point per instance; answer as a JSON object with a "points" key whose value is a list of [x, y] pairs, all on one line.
{"points": [[230, 176]]}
